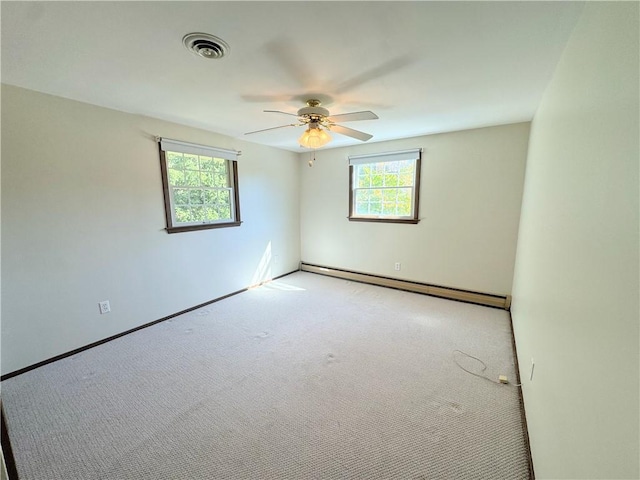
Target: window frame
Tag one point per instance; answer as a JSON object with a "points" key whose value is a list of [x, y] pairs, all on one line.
{"points": [[416, 155], [230, 156]]}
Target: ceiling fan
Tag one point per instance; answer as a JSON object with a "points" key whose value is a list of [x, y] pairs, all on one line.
{"points": [[318, 121]]}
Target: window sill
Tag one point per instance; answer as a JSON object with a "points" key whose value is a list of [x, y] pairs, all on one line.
{"points": [[411, 221], [208, 226]]}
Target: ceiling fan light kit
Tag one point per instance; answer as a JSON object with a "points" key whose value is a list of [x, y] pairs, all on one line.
{"points": [[314, 137], [318, 120]]}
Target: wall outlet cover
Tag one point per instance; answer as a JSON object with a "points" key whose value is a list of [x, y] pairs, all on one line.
{"points": [[104, 307]]}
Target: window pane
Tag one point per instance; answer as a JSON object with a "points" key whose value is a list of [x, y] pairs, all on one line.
{"points": [[191, 162], [210, 213], [181, 196], [404, 201], [362, 208], [389, 195], [220, 165], [209, 196], [176, 177], [405, 179], [192, 178], [392, 167], [224, 211], [183, 214], [377, 180], [389, 208], [404, 194], [364, 181], [404, 210], [224, 204], [206, 164], [206, 179], [175, 160], [362, 195], [391, 180], [195, 197], [224, 197], [198, 214], [221, 180]]}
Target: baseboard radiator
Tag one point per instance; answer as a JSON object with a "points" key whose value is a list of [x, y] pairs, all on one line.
{"points": [[486, 299]]}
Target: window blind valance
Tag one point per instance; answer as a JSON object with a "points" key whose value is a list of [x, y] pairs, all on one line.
{"points": [[166, 144], [413, 154]]}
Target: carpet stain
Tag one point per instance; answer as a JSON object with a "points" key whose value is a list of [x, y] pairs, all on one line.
{"points": [[451, 408], [330, 359]]}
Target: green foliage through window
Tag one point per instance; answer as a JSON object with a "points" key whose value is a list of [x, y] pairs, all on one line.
{"points": [[200, 188], [384, 189], [200, 185]]}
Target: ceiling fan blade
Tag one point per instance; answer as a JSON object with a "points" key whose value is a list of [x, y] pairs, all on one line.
{"points": [[350, 132], [278, 111], [292, 59], [353, 116], [274, 128], [386, 68]]}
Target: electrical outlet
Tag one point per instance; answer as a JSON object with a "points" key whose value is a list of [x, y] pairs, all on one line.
{"points": [[533, 366], [104, 307], [397, 266]]}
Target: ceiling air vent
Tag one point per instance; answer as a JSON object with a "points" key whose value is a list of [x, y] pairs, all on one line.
{"points": [[205, 45]]}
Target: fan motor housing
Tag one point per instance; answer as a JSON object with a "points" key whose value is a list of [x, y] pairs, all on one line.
{"points": [[313, 112]]}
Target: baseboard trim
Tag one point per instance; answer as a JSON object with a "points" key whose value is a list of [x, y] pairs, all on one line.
{"points": [[523, 413], [7, 450], [467, 296], [127, 332]]}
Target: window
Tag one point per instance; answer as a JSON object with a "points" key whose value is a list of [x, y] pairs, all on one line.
{"points": [[200, 186], [384, 187]]}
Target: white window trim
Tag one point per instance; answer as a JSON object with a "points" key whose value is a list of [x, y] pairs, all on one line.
{"points": [[413, 154], [167, 144]]}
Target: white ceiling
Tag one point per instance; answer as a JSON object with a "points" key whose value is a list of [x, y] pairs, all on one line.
{"points": [[423, 67]]}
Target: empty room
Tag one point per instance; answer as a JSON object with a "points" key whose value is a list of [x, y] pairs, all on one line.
{"points": [[320, 240]]}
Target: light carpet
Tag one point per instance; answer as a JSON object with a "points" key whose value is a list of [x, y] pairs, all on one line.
{"points": [[307, 377]]}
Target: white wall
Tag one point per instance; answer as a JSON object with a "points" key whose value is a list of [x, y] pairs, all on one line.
{"points": [[575, 302], [470, 197], [83, 221]]}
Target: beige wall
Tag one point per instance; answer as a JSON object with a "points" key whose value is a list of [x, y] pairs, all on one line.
{"points": [[83, 220], [469, 208], [575, 301]]}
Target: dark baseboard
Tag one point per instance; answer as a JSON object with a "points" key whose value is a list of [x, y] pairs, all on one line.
{"points": [[523, 415], [127, 332], [7, 450]]}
